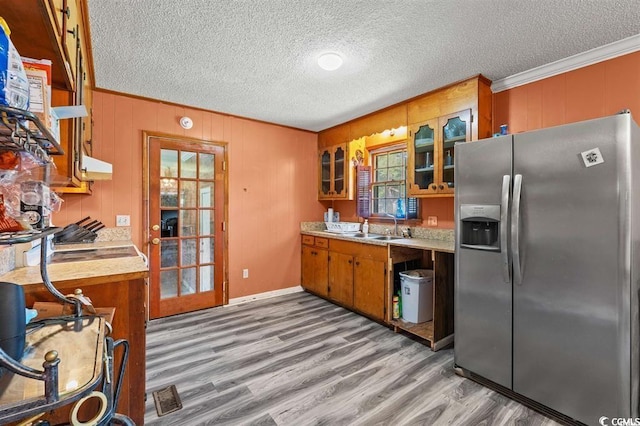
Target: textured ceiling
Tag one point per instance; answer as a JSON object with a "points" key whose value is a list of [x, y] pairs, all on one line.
{"points": [[257, 58]]}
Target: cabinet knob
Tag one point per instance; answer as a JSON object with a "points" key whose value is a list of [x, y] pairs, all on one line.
{"points": [[433, 187], [441, 187], [155, 241], [72, 32], [349, 261], [155, 227], [357, 263], [66, 11]]}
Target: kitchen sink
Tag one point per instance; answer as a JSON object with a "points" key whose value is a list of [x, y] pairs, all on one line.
{"points": [[387, 237]]}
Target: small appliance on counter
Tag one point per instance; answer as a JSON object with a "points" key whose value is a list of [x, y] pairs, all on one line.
{"points": [[12, 320], [79, 232]]}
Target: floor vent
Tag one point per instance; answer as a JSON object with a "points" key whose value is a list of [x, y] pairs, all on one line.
{"points": [[167, 400]]}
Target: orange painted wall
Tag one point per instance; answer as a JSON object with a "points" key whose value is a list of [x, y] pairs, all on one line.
{"points": [[272, 184], [594, 91]]}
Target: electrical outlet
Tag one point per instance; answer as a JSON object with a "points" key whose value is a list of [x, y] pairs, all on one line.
{"points": [[123, 220], [245, 273], [432, 221]]}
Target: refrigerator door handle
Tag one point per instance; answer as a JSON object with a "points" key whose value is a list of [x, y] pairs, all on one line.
{"points": [[515, 229], [504, 238]]}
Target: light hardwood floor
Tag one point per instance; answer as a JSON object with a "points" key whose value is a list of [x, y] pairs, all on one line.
{"points": [[300, 360]]}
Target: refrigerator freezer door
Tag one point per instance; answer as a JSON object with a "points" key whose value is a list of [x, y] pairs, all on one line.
{"points": [[570, 337], [482, 295]]}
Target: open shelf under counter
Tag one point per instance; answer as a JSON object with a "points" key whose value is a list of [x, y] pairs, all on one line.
{"points": [[423, 329]]}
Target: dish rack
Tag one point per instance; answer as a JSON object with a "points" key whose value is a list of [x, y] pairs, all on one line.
{"points": [[342, 227]]}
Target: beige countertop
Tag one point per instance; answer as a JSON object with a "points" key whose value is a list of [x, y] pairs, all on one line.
{"points": [[418, 243], [130, 267]]}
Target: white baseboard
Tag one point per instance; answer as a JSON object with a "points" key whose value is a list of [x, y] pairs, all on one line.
{"points": [[265, 295]]}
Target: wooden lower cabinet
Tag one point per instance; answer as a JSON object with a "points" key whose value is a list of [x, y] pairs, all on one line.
{"points": [[341, 278], [369, 283], [364, 277], [357, 277], [315, 263]]}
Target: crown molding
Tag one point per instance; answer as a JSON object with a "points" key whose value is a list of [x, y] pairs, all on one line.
{"points": [[593, 56]]}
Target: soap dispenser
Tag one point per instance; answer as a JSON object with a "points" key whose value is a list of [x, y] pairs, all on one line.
{"points": [[365, 227]]}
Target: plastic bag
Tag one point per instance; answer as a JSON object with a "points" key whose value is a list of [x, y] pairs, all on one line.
{"points": [[8, 223], [14, 85]]}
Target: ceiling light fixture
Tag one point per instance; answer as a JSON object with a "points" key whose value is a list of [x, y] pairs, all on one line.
{"points": [[330, 61]]}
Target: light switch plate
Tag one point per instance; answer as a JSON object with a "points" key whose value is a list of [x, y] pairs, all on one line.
{"points": [[123, 220], [432, 221], [245, 273]]}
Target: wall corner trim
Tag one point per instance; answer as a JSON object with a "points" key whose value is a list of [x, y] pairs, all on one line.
{"points": [[265, 295], [593, 56]]}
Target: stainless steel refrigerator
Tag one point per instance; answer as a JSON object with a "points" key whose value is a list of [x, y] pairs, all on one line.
{"points": [[547, 265]]}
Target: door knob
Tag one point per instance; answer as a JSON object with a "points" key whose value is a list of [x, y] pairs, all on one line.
{"points": [[155, 241], [155, 227]]}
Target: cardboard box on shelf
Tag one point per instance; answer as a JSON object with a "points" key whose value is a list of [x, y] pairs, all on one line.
{"points": [[39, 75]]}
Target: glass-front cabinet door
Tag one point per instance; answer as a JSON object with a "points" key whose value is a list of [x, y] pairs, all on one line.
{"points": [[333, 172], [339, 171], [423, 139], [455, 129], [432, 151], [324, 186]]}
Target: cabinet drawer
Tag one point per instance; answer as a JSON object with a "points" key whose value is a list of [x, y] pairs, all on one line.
{"points": [[322, 242], [360, 250], [307, 240]]}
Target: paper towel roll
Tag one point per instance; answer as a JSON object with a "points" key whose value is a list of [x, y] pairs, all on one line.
{"points": [[330, 215]]}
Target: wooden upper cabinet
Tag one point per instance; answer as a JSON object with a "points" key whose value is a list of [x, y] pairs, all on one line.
{"points": [[427, 122], [334, 136], [58, 11], [73, 35], [39, 29], [432, 148], [58, 30], [438, 121], [333, 172], [377, 122], [473, 94]]}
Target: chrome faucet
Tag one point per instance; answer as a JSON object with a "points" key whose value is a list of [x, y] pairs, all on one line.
{"points": [[395, 223]]}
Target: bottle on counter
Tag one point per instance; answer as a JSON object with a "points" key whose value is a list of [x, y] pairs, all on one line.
{"points": [[365, 227], [396, 307]]}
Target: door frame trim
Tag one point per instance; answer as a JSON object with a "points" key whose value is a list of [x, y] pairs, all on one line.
{"points": [[146, 222]]}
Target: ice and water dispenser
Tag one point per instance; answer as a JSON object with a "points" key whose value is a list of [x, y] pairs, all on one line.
{"points": [[480, 226]]}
